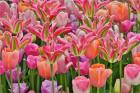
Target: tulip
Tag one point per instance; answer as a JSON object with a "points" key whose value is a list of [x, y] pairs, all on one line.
{"points": [[32, 61], [16, 73], [135, 4], [44, 69], [10, 58], [91, 50], [23, 88], [84, 68], [32, 49], [98, 75], [126, 88], [47, 87], [81, 85], [31, 91], [136, 55], [63, 67], [132, 74], [62, 19], [126, 26], [4, 9], [119, 10], [2, 68], [102, 12]]}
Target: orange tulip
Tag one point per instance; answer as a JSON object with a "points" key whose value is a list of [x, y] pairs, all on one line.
{"points": [[136, 58], [10, 58], [92, 49], [119, 10], [98, 75], [44, 69]]}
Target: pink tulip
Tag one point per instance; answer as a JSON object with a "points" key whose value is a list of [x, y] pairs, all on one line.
{"points": [[1, 45], [81, 85], [63, 67], [10, 58], [84, 68], [132, 74], [31, 91], [32, 61], [4, 9], [62, 19], [32, 49], [126, 26], [2, 68]]}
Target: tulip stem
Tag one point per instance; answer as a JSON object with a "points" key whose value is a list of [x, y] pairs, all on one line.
{"points": [[110, 81], [38, 83], [32, 79], [53, 91], [18, 78], [98, 90], [1, 87], [78, 66], [120, 66], [11, 79]]}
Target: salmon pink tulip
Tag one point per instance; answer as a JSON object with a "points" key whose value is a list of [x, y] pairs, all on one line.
{"points": [[81, 85], [91, 50], [10, 58], [44, 69], [98, 75], [132, 74], [119, 10]]}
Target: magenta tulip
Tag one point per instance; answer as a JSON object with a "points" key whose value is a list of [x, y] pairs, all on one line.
{"points": [[32, 61], [2, 68], [32, 49]]}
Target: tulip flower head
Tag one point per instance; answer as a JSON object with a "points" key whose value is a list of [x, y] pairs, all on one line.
{"points": [[132, 74], [10, 58], [81, 85], [2, 68], [98, 75], [44, 69], [119, 10]]}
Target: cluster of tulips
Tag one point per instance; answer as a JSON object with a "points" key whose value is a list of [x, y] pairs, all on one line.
{"points": [[69, 46]]}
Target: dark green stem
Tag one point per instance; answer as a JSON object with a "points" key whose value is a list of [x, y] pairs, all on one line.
{"points": [[1, 87], [110, 80], [38, 84], [120, 71], [32, 79], [53, 91]]}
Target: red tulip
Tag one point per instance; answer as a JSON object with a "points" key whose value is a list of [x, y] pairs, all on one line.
{"points": [[98, 75], [10, 58]]}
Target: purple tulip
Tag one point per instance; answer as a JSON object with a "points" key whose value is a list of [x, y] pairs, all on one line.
{"points": [[47, 87], [23, 88], [2, 69], [14, 74], [32, 61], [32, 49]]}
